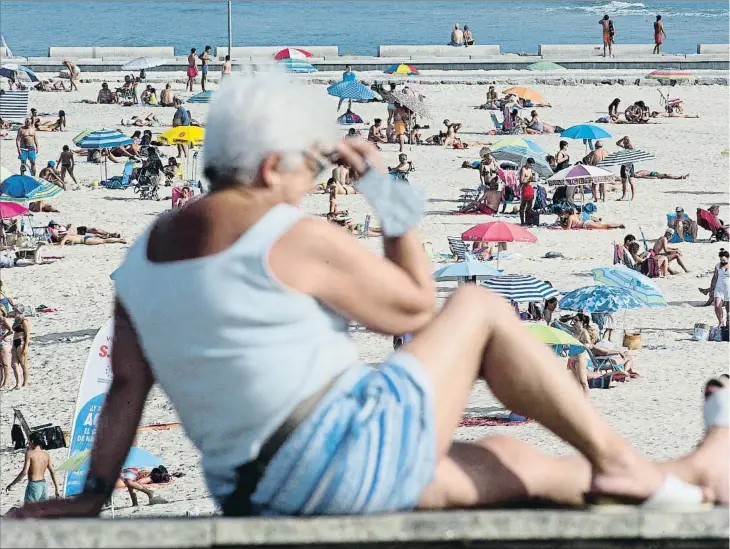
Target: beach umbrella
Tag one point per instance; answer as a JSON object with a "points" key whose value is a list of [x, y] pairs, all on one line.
{"points": [[104, 139], [4, 173], [183, 135], [412, 102], [135, 458], [201, 97], [581, 174], [498, 231], [80, 136], [625, 156], [585, 131], [671, 75], [545, 66], [519, 156], [352, 90], [600, 299], [520, 288], [8, 70], [525, 93], [518, 143], [292, 53], [623, 278], [26, 188], [402, 70], [463, 270], [296, 65], [8, 210], [561, 341], [143, 63]]}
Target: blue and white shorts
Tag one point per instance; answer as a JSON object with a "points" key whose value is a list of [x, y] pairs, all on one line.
{"points": [[368, 447]]}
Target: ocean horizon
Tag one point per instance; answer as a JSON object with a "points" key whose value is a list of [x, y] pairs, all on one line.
{"points": [[356, 26]]}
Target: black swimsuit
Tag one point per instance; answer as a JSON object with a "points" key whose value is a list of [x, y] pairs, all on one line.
{"points": [[18, 333]]}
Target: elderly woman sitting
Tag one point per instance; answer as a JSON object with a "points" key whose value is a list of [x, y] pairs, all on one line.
{"points": [[293, 422]]}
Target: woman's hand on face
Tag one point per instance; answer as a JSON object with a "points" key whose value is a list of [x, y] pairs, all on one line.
{"points": [[361, 155]]}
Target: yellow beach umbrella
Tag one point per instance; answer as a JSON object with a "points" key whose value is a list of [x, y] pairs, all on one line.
{"points": [[525, 93], [183, 135]]}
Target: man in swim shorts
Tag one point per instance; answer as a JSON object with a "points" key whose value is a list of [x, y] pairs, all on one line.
{"points": [[192, 71], [204, 59], [659, 34], [27, 144], [607, 26], [37, 462]]}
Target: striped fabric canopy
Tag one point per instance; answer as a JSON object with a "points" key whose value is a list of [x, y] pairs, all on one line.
{"points": [[350, 89], [600, 299], [14, 104], [202, 97], [623, 278], [520, 288], [625, 156], [581, 174], [25, 188], [104, 139], [466, 269], [296, 65]]}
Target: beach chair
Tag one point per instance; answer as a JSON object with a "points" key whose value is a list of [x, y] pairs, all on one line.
{"points": [[675, 237], [120, 182], [497, 124], [457, 247], [710, 223], [595, 363], [13, 104], [365, 228]]}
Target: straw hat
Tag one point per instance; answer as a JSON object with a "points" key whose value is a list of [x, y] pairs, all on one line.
{"points": [[485, 151]]}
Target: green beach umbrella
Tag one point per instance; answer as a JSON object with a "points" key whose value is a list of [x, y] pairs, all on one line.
{"points": [[545, 66]]}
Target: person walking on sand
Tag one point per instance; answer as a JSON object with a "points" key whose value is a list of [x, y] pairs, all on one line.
{"points": [[204, 60], [37, 462], [192, 70], [227, 66], [19, 352], [608, 35], [6, 346], [528, 192], [628, 171], [659, 34], [73, 75]]}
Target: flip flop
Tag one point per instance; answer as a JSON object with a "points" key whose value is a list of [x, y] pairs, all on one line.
{"points": [[672, 494], [717, 403]]}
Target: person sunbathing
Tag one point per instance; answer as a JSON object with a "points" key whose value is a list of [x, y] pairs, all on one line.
{"points": [[662, 248], [58, 125], [536, 126], [657, 114], [88, 240], [569, 219], [646, 174], [185, 197], [58, 232], [142, 121], [51, 86], [641, 261], [357, 229]]}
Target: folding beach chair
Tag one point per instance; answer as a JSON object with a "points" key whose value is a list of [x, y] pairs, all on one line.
{"points": [[120, 181], [457, 247], [675, 237], [365, 228], [14, 104], [595, 363]]}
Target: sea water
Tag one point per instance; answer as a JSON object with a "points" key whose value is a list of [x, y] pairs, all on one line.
{"points": [[358, 26]]}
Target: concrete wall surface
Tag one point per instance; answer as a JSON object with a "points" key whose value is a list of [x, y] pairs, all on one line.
{"points": [[437, 51], [714, 49], [120, 52], [271, 51], [575, 50], [627, 527]]}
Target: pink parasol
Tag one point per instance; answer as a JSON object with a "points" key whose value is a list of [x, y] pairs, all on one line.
{"points": [[8, 210], [292, 53], [498, 231]]}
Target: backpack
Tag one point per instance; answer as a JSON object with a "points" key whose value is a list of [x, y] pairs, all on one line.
{"points": [[541, 201], [159, 475], [508, 194]]}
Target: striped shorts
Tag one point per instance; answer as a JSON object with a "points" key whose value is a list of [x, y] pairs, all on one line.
{"points": [[368, 447]]}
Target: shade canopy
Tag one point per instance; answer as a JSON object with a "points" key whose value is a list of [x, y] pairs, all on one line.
{"points": [[520, 288], [600, 299], [623, 278], [143, 63], [104, 139], [296, 65], [352, 90], [292, 53], [525, 93], [581, 174], [585, 131], [625, 156], [183, 135], [498, 231]]}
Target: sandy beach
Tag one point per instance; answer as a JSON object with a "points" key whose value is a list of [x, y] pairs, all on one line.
{"points": [[660, 412]]}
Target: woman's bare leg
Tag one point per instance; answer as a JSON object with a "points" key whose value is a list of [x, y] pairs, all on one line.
{"points": [[477, 335], [719, 313], [17, 364]]}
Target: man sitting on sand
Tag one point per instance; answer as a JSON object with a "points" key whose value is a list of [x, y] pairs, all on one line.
{"points": [[375, 133], [106, 96], [37, 462], [662, 247], [167, 97], [50, 174], [452, 137], [682, 224]]}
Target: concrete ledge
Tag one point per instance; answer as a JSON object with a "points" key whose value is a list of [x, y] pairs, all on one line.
{"points": [[271, 51], [120, 52], [437, 51], [581, 50], [714, 49], [505, 528]]}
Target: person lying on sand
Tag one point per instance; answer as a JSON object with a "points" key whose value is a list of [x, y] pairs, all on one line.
{"points": [[569, 219], [356, 229], [657, 114], [88, 240], [662, 247], [59, 231], [57, 125], [51, 86], [141, 121], [646, 174]]}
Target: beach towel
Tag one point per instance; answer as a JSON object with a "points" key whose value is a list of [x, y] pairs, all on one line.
{"points": [[509, 177]]}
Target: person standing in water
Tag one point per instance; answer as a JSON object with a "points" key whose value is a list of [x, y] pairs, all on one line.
{"points": [[609, 32], [37, 462], [659, 34]]}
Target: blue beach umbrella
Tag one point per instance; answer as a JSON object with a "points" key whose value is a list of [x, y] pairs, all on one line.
{"points": [[202, 97], [640, 286], [464, 270], [520, 288], [104, 139], [136, 458], [296, 65], [8, 69], [585, 131], [25, 188], [600, 299], [352, 90]]}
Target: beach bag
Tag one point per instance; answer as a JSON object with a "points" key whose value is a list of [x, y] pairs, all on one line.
{"points": [[541, 201], [632, 341], [17, 437]]}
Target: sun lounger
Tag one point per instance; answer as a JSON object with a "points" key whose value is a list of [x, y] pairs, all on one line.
{"points": [[675, 237], [595, 363]]}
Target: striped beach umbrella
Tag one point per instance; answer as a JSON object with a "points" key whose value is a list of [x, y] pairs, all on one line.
{"points": [[104, 139], [519, 155], [623, 278], [581, 174], [296, 65], [202, 97], [352, 90], [25, 188], [671, 75], [520, 288], [600, 299], [469, 269], [625, 156], [402, 70], [292, 53]]}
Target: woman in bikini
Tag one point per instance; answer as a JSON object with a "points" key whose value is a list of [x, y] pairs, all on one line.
{"points": [[569, 219], [6, 348], [58, 126], [21, 342], [562, 158]]}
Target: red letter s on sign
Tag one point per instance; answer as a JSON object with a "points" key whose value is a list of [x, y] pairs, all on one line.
{"points": [[104, 351]]}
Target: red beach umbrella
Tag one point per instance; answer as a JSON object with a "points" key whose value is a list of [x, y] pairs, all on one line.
{"points": [[498, 231], [292, 53]]}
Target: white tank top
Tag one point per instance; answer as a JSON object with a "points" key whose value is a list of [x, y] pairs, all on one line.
{"points": [[234, 350]]}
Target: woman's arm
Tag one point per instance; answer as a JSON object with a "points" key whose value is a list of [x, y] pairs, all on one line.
{"points": [[26, 333]]}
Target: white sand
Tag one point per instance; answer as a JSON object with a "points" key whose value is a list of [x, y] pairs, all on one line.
{"points": [[659, 413]]}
